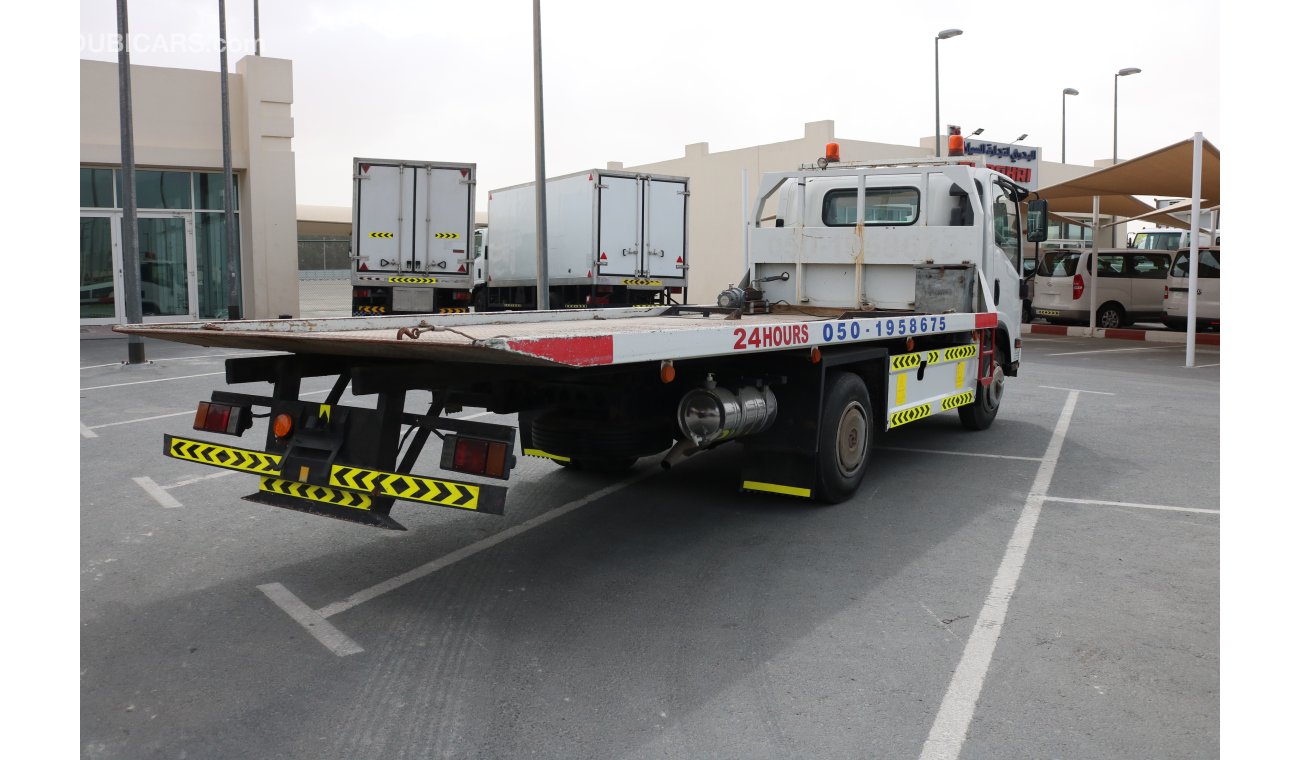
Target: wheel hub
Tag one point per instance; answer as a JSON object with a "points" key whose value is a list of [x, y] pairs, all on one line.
{"points": [[851, 440]]}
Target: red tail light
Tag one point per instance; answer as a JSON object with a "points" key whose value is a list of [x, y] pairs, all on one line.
{"points": [[461, 295], [222, 418], [1078, 286], [1166, 292], [476, 456], [360, 292]]}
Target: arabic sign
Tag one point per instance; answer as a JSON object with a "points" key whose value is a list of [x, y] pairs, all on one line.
{"points": [[1019, 162]]}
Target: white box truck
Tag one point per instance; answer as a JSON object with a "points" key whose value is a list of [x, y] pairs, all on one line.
{"points": [[613, 238], [888, 295], [412, 236]]}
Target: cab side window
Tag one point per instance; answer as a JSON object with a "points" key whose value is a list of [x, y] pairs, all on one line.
{"points": [[1006, 223]]}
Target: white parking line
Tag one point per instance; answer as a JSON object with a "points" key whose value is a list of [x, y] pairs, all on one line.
{"points": [[87, 432], [1076, 390], [158, 493], [961, 453], [156, 380], [314, 620], [200, 478], [183, 358], [948, 732], [1063, 500], [1115, 350], [334, 640]]}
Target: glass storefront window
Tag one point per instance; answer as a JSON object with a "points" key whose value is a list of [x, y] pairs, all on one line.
{"points": [[96, 188], [98, 294], [155, 189], [210, 242], [210, 191]]}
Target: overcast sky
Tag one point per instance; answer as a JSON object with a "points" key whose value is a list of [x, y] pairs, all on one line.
{"points": [[636, 81]]}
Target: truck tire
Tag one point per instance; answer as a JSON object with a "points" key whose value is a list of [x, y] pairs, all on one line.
{"points": [[846, 436], [979, 415], [595, 444]]}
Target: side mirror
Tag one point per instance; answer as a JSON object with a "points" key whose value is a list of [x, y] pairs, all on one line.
{"points": [[1037, 221]]}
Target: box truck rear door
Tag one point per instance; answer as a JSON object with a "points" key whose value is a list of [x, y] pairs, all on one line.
{"points": [[665, 229], [382, 216], [618, 220], [443, 229]]}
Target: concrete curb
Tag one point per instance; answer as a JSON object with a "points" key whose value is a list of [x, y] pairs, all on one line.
{"points": [[1154, 336]]}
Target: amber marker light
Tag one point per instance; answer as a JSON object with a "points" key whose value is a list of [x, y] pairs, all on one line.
{"points": [[815, 355], [282, 426], [667, 372]]}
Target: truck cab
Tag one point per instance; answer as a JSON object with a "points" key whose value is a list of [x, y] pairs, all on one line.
{"points": [[923, 227]]}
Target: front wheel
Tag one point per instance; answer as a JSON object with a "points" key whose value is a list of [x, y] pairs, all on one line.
{"points": [[988, 398], [845, 441]]}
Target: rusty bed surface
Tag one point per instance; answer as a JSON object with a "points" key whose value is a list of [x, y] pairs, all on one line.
{"points": [[449, 337]]}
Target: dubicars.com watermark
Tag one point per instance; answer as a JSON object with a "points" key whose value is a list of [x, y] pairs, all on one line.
{"points": [[175, 43]]}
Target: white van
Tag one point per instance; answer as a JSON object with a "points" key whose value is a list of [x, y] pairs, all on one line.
{"points": [[1131, 289], [1167, 240], [1207, 291]]}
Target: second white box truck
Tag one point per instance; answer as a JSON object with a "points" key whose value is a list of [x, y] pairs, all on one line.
{"points": [[614, 238]]}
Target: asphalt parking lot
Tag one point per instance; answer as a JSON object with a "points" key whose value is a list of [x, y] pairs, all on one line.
{"points": [[1048, 588]]}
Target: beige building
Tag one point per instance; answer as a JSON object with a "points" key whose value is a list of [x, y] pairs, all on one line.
{"points": [[180, 191], [716, 230]]}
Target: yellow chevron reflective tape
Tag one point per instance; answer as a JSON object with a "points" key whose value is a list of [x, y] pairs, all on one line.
{"points": [[337, 497], [961, 399], [324, 413], [961, 373], [904, 361], [904, 416], [413, 280], [900, 391], [408, 487], [227, 457], [447, 235], [370, 309], [381, 234], [959, 352], [637, 281], [933, 357], [545, 455], [453, 310], [754, 485]]}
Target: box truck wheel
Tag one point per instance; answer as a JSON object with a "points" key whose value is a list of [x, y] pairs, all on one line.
{"points": [[846, 437], [979, 415]]}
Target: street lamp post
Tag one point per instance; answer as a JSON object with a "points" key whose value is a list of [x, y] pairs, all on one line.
{"points": [[1066, 91], [945, 34], [1114, 157], [1115, 141]]}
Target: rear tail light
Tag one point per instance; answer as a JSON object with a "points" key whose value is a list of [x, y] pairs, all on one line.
{"points": [[1166, 292], [675, 291], [476, 456], [1078, 286], [461, 295], [223, 418], [360, 292]]}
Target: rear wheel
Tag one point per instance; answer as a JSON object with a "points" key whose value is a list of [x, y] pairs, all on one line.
{"points": [[1110, 315], [988, 398], [846, 437]]}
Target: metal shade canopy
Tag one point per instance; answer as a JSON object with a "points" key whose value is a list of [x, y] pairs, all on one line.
{"points": [[1164, 173]]}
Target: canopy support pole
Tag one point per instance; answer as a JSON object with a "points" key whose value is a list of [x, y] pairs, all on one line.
{"points": [[1092, 289], [1194, 260]]}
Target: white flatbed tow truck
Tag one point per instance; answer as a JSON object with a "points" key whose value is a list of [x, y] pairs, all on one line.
{"points": [[886, 294]]}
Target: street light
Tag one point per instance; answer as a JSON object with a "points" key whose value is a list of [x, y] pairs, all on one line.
{"points": [[977, 132], [1114, 157], [1018, 139], [1066, 91], [945, 34], [1115, 143]]}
